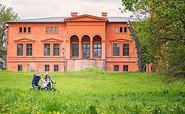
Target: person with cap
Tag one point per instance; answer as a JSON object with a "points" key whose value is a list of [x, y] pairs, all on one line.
{"points": [[35, 80], [48, 81]]}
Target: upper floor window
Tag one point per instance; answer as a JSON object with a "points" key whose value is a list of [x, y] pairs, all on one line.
{"points": [[47, 29], [29, 29], [20, 29], [125, 49], [24, 29], [46, 49], [51, 29], [121, 29], [116, 30], [56, 49], [28, 49], [75, 49], [116, 49], [56, 29], [97, 49], [19, 49], [125, 29]]}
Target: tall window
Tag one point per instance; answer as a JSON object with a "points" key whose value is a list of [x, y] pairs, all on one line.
{"points": [[116, 30], [86, 50], [97, 49], [47, 29], [75, 49], [29, 29], [125, 49], [121, 29], [28, 49], [55, 49], [125, 29], [24, 29], [20, 29], [19, 49], [51, 30], [116, 49], [46, 49], [55, 68], [46, 67], [116, 67], [125, 68], [56, 29], [19, 67]]}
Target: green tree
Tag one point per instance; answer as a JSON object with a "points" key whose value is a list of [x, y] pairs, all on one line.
{"points": [[6, 14], [162, 33]]}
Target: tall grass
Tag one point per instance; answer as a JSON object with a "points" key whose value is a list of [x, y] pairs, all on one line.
{"points": [[92, 91]]}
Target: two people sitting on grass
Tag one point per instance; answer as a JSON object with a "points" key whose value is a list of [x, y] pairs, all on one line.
{"points": [[46, 82]]}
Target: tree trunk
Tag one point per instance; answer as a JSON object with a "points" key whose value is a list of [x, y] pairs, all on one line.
{"points": [[138, 46]]}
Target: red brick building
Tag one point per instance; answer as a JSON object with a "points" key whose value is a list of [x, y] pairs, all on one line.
{"points": [[70, 43]]}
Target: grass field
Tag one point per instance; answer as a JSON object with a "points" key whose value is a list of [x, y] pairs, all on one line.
{"points": [[92, 92]]}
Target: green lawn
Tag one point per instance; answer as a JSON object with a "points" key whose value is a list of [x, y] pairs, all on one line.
{"points": [[92, 91]]}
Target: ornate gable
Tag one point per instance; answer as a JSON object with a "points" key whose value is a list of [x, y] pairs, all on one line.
{"points": [[120, 40], [51, 40], [24, 40], [85, 18]]}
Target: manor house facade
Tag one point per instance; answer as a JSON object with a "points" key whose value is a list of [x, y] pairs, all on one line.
{"points": [[70, 43]]}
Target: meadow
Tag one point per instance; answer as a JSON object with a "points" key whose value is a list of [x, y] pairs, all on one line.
{"points": [[92, 91]]}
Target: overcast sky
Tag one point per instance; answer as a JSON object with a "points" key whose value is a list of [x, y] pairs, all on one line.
{"points": [[63, 8]]}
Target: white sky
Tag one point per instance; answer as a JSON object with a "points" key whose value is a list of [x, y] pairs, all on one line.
{"points": [[63, 8]]}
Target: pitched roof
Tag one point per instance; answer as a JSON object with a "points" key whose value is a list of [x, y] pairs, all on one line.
{"points": [[48, 19], [61, 20], [121, 19]]}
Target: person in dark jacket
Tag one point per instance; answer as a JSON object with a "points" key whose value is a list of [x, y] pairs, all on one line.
{"points": [[35, 80]]}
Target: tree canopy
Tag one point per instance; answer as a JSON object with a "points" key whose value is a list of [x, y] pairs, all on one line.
{"points": [[5, 15], [162, 33]]}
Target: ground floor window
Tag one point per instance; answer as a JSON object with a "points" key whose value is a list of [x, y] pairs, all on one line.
{"points": [[46, 67], [19, 67], [125, 68], [116, 67], [56, 68]]}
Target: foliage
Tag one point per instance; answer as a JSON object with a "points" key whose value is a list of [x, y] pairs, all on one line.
{"points": [[6, 14], [162, 33], [92, 91]]}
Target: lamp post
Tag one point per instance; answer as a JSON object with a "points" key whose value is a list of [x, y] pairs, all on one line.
{"points": [[63, 49]]}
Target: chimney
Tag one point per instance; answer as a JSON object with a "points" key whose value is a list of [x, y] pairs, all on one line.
{"points": [[73, 14], [104, 14]]}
